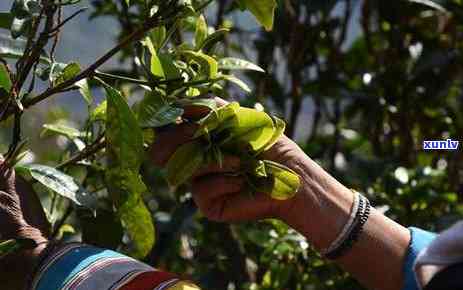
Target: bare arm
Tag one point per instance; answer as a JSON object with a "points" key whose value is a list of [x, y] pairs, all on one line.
{"points": [[318, 211], [321, 209]]}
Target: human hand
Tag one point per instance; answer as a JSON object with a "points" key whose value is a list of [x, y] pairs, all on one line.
{"points": [[220, 191], [21, 217]]}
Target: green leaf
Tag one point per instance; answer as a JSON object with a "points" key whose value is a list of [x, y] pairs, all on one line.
{"points": [[127, 2], [68, 72], [263, 10], [5, 20], [280, 127], [123, 135], [282, 183], [158, 36], [211, 104], [184, 163], [11, 246], [251, 128], [125, 154], [5, 81], [163, 66], [126, 188], [209, 66], [231, 63], [201, 32], [216, 119], [63, 130], [99, 114], [84, 90], [154, 112], [238, 82], [62, 184], [209, 43]]}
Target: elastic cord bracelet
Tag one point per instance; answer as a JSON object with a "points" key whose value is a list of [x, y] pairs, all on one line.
{"points": [[347, 227], [360, 219]]}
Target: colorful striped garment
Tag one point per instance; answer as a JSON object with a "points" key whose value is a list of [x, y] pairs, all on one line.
{"points": [[82, 267]]}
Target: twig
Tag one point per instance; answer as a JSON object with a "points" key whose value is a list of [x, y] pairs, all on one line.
{"points": [[89, 151], [62, 23], [56, 36], [90, 71]]}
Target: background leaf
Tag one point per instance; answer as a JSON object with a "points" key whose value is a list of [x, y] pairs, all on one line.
{"points": [[125, 150]]}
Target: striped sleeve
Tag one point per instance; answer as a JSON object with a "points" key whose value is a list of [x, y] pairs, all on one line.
{"points": [[82, 267]]}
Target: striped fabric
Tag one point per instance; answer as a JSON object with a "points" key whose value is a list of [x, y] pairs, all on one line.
{"points": [[82, 267]]}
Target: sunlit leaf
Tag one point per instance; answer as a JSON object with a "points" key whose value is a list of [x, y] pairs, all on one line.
{"points": [[279, 130], [217, 118], [68, 72], [99, 113], [251, 128], [84, 90], [201, 31], [231, 63], [63, 130], [263, 10], [282, 183], [62, 184], [209, 66], [233, 79]]}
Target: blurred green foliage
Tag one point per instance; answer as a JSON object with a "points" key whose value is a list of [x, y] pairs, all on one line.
{"points": [[361, 84]]}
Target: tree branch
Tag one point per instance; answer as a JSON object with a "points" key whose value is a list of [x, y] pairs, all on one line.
{"points": [[152, 22]]}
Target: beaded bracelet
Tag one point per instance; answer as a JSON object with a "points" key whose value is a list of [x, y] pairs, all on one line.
{"points": [[347, 227], [361, 217]]}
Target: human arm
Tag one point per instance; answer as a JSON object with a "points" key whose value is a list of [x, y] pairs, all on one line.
{"points": [[318, 211]]}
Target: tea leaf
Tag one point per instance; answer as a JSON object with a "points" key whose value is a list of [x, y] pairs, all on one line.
{"points": [[125, 150], [62, 184], [263, 10], [84, 90], [5, 81], [231, 63], [201, 31], [238, 82], [184, 162]]}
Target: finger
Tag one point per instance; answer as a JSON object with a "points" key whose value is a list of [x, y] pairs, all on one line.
{"points": [[230, 164], [212, 186], [31, 207], [193, 112], [220, 102], [167, 141], [236, 207], [196, 112]]}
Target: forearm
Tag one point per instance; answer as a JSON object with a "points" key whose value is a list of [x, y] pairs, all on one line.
{"points": [[321, 209]]}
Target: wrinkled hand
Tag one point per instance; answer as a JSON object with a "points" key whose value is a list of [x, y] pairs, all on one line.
{"points": [[21, 217], [218, 190]]}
